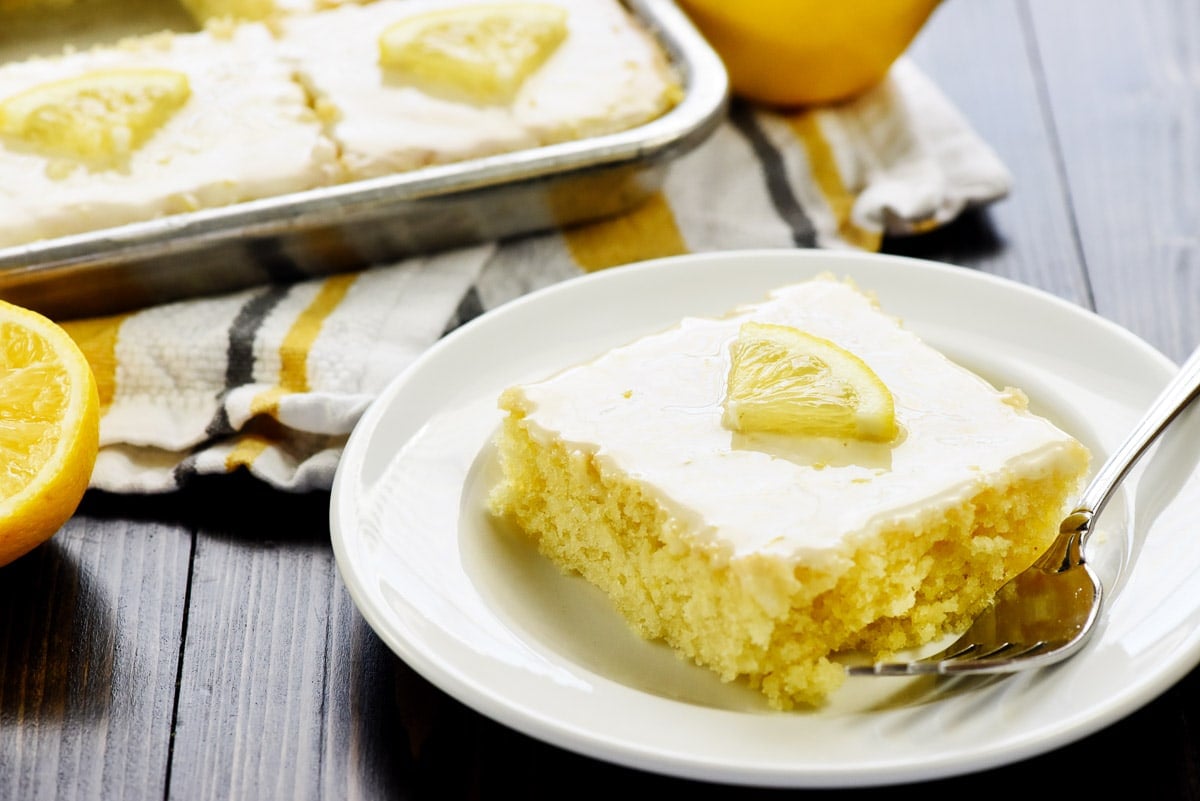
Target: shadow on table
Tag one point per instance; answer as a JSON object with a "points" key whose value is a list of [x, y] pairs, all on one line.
{"points": [[56, 641], [231, 507], [967, 239]]}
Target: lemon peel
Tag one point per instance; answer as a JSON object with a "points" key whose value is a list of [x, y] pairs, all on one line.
{"points": [[49, 429]]}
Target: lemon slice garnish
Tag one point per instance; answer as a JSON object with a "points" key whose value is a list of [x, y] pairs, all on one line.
{"points": [[49, 423], [783, 380], [100, 117], [483, 53]]}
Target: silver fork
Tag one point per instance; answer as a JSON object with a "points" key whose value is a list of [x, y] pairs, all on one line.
{"points": [[1047, 613]]}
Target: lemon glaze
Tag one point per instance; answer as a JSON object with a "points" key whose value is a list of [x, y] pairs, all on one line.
{"points": [[607, 75], [233, 140], [794, 497]]}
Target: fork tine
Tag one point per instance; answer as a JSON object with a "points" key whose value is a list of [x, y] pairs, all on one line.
{"points": [[1004, 650], [889, 669], [958, 658], [996, 658], [958, 650]]}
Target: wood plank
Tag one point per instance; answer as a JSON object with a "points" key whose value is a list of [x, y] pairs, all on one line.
{"points": [[388, 732], [255, 647], [1123, 79], [977, 54], [89, 634], [285, 692]]}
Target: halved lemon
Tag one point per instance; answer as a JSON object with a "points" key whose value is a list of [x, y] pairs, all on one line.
{"points": [[100, 116], [49, 429], [481, 52], [784, 380]]}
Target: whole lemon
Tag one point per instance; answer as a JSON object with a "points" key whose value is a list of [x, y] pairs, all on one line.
{"points": [[805, 52]]}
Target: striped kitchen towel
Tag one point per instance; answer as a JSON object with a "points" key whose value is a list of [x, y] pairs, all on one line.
{"points": [[272, 380]]}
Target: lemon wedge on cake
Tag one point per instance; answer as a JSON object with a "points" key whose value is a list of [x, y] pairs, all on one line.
{"points": [[481, 52], [49, 429], [101, 116], [784, 380]]}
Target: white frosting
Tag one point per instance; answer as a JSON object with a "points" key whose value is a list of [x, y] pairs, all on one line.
{"points": [[249, 130], [651, 411], [246, 132], [607, 75]]}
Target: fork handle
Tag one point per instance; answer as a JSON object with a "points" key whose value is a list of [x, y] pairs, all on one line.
{"points": [[1176, 396]]}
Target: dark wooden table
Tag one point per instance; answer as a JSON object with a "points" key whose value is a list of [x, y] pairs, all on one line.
{"points": [[201, 645]]}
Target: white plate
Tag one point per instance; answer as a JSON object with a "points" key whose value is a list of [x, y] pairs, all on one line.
{"points": [[478, 613]]}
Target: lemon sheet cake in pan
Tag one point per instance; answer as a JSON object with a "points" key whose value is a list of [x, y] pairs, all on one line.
{"points": [[511, 100], [767, 553], [70, 164], [395, 103], [248, 128]]}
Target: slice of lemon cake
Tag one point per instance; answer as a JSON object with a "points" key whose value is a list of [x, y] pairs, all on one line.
{"points": [[798, 479], [152, 126], [410, 83]]}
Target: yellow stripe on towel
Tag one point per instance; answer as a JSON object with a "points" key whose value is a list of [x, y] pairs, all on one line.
{"points": [[647, 232], [828, 178], [293, 351], [258, 435], [293, 367], [97, 338]]}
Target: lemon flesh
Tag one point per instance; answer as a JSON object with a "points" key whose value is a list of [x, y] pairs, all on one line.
{"points": [[481, 53], [49, 429], [100, 117], [783, 380]]}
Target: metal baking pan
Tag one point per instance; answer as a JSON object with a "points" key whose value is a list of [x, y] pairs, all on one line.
{"points": [[355, 225]]}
